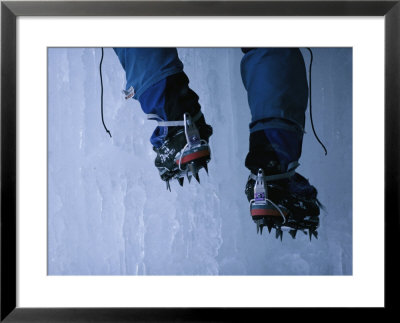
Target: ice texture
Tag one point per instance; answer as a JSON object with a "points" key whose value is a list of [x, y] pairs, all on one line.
{"points": [[110, 214]]}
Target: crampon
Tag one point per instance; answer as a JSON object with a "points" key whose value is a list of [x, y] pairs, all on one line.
{"points": [[184, 154], [273, 206]]}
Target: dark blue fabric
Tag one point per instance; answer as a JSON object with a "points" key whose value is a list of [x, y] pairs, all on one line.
{"points": [[276, 84], [152, 101], [287, 144], [146, 66], [277, 91]]}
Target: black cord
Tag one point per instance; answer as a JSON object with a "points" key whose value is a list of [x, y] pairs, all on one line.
{"points": [[311, 119], [101, 82]]}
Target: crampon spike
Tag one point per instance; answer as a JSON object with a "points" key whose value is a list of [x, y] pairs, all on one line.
{"points": [[261, 228], [192, 168], [206, 167], [258, 227], [309, 234], [180, 180], [315, 234], [168, 186], [196, 176], [293, 233], [277, 233]]}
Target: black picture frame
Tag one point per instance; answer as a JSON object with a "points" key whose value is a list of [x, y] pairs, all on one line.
{"points": [[10, 10]]}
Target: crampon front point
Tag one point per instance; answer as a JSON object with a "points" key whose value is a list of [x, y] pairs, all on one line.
{"points": [[266, 213]]}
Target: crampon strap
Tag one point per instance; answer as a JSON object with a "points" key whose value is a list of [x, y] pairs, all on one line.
{"points": [[291, 171], [163, 123]]}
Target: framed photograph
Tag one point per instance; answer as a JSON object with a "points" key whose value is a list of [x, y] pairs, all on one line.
{"points": [[187, 160]]}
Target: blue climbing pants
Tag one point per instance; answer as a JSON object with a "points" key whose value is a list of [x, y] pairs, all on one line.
{"points": [[277, 91], [275, 80], [145, 67]]}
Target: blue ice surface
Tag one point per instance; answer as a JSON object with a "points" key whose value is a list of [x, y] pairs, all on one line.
{"points": [[110, 214]]}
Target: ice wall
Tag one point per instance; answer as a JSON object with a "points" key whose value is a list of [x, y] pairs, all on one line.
{"points": [[110, 214]]}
